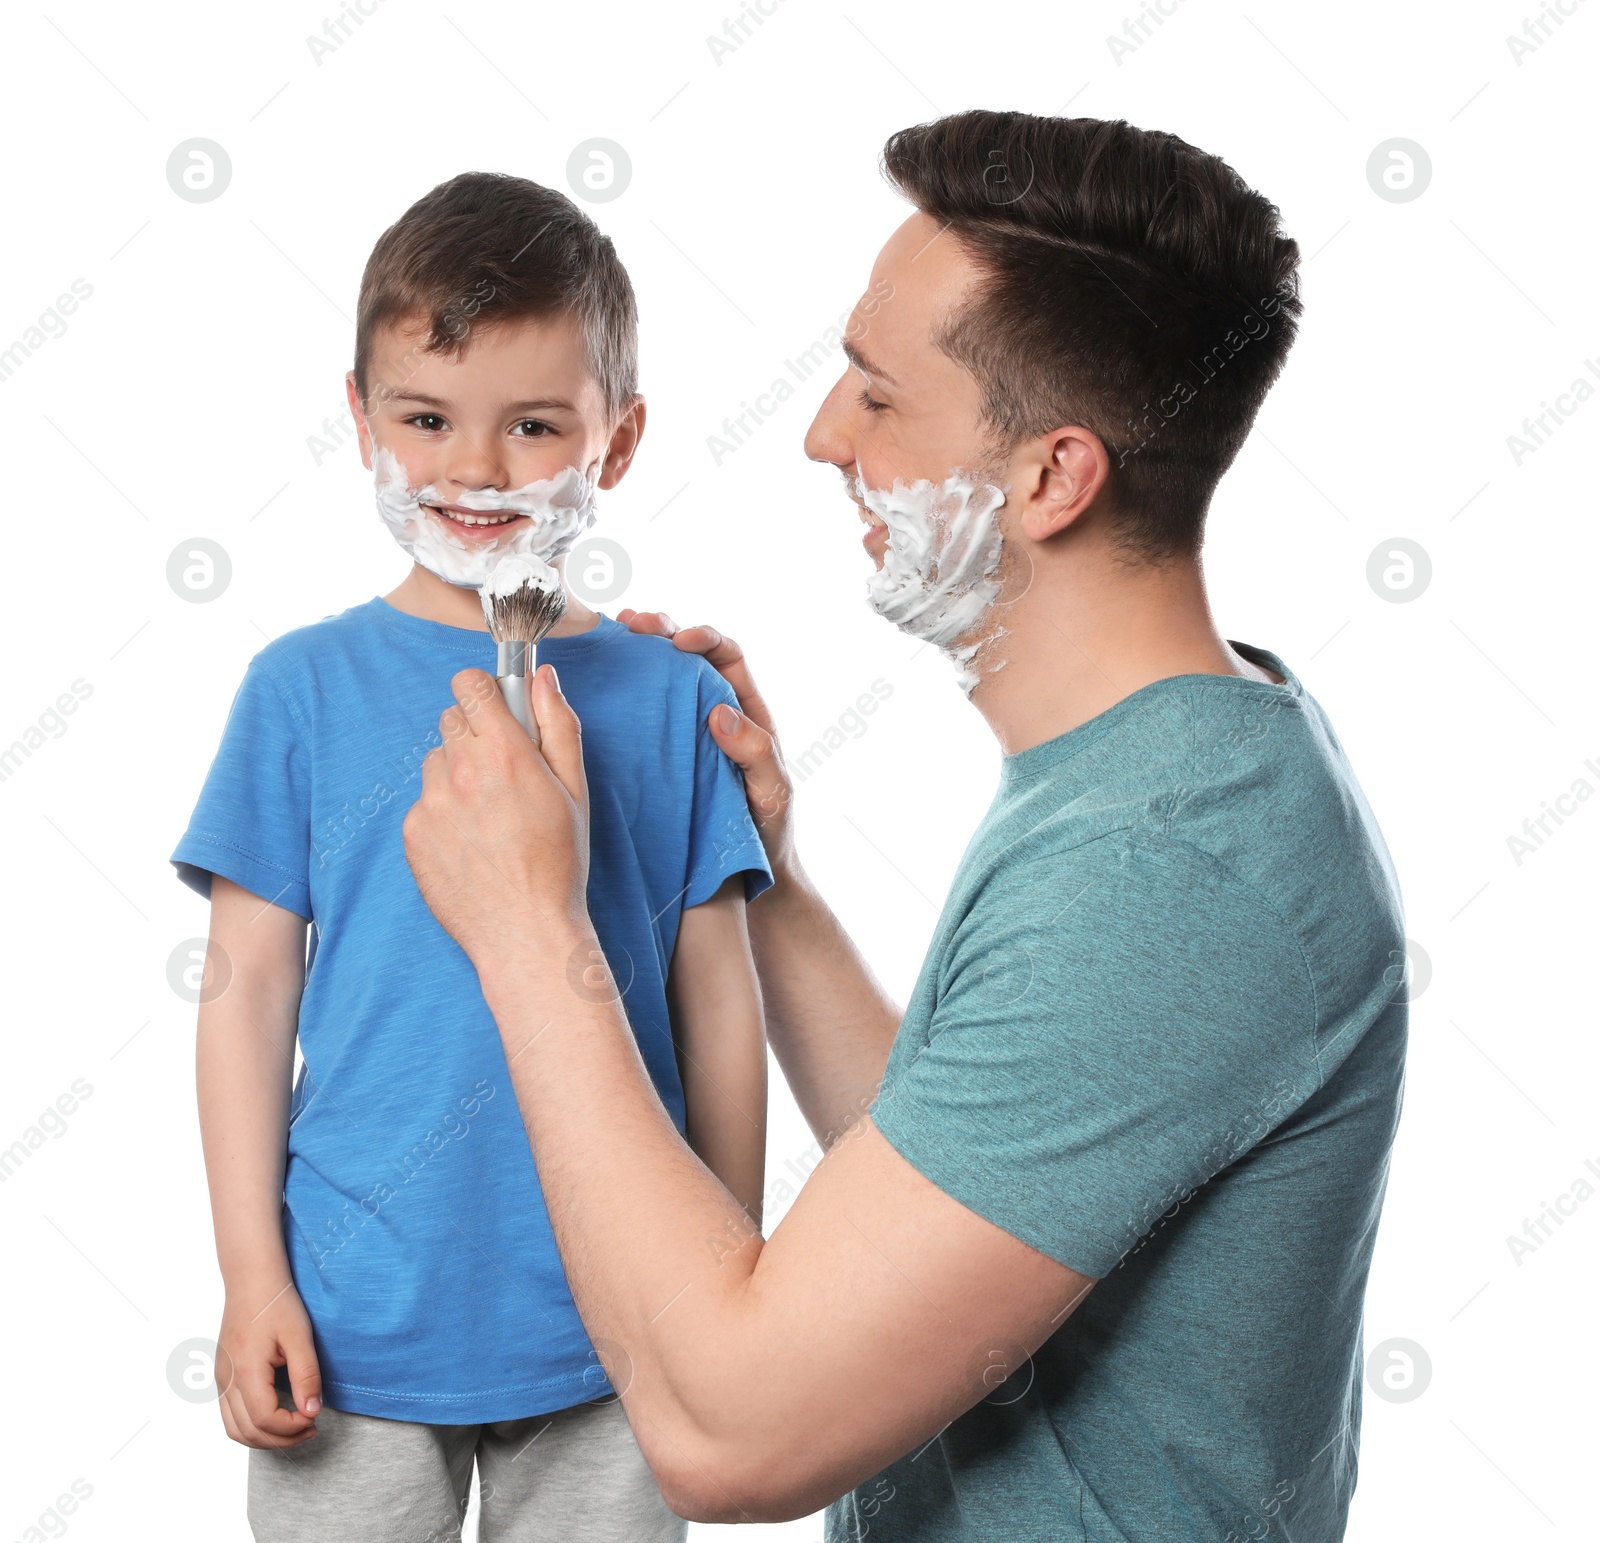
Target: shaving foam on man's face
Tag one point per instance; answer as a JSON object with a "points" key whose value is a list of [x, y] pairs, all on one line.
{"points": [[900, 424], [938, 580]]}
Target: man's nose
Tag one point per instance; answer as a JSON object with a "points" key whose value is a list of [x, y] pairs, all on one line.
{"points": [[828, 438]]}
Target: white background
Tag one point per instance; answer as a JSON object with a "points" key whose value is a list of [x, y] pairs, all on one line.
{"points": [[179, 403]]}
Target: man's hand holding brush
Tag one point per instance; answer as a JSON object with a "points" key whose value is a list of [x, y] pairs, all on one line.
{"points": [[499, 838]]}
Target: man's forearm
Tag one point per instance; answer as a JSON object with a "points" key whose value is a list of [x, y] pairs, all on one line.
{"points": [[829, 1021], [860, 1322], [657, 1252]]}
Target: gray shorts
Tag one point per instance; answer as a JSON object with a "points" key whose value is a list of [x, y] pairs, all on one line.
{"points": [[576, 1475]]}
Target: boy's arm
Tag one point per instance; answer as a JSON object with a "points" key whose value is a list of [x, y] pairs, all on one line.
{"points": [[244, 1062], [832, 1023], [721, 1041]]}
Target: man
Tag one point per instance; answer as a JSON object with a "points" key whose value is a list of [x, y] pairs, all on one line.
{"points": [[1086, 1256]]}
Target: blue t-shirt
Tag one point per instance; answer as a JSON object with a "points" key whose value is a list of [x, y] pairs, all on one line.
{"points": [[416, 1230]]}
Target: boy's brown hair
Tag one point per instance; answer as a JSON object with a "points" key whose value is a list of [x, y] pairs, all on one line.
{"points": [[1134, 286], [485, 248]]}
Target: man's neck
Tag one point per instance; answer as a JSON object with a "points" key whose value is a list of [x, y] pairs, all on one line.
{"points": [[1079, 641], [425, 594]]}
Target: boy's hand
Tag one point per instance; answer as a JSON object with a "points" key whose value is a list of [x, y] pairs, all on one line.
{"points": [[499, 839], [254, 1341], [748, 737]]}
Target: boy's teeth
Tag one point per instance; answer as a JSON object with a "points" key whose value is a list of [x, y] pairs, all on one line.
{"points": [[481, 519]]}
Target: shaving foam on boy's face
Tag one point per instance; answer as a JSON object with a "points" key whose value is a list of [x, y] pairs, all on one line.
{"points": [[460, 539], [494, 448], [939, 579]]}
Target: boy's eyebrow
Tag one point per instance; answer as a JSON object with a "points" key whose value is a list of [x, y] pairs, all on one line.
{"points": [[865, 365], [414, 396], [538, 404]]}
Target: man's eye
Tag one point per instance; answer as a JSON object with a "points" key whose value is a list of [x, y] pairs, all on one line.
{"points": [[532, 428], [431, 422], [868, 402]]}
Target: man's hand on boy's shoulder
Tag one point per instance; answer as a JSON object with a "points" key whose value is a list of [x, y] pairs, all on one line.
{"points": [[748, 737], [254, 1341]]}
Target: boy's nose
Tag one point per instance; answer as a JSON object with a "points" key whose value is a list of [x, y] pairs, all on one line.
{"points": [[470, 466]]}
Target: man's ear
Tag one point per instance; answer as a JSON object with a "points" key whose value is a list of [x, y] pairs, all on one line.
{"points": [[358, 412], [624, 441], [1071, 467]]}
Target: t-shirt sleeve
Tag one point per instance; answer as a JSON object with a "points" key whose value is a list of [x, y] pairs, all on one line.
{"points": [[722, 836], [1113, 1027], [253, 819]]}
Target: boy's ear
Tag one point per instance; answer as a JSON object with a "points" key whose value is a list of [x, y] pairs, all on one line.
{"points": [[358, 412], [624, 441]]}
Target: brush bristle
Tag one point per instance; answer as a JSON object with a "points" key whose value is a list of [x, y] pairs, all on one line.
{"points": [[526, 614]]}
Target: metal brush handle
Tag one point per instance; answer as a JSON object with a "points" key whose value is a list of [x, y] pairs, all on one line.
{"points": [[511, 674]]}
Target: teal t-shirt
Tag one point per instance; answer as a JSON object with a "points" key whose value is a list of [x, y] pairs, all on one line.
{"points": [[1159, 1036]]}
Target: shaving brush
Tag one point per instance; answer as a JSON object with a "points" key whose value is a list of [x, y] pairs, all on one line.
{"points": [[522, 600]]}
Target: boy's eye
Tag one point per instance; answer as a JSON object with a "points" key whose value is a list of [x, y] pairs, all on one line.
{"points": [[532, 428], [867, 401], [431, 422]]}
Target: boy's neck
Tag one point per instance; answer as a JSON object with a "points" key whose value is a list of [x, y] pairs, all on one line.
{"points": [[426, 595]]}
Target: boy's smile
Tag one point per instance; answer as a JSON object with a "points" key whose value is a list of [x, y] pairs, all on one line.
{"points": [[474, 527]]}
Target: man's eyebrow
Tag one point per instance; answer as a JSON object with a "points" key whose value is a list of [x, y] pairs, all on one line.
{"points": [[865, 365]]}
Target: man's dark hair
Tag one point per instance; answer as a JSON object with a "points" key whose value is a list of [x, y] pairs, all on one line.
{"points": [[1136, 287], [486, 248]]}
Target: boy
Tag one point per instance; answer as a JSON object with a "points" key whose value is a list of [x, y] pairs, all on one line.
{"points": [[390, 1288]]}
